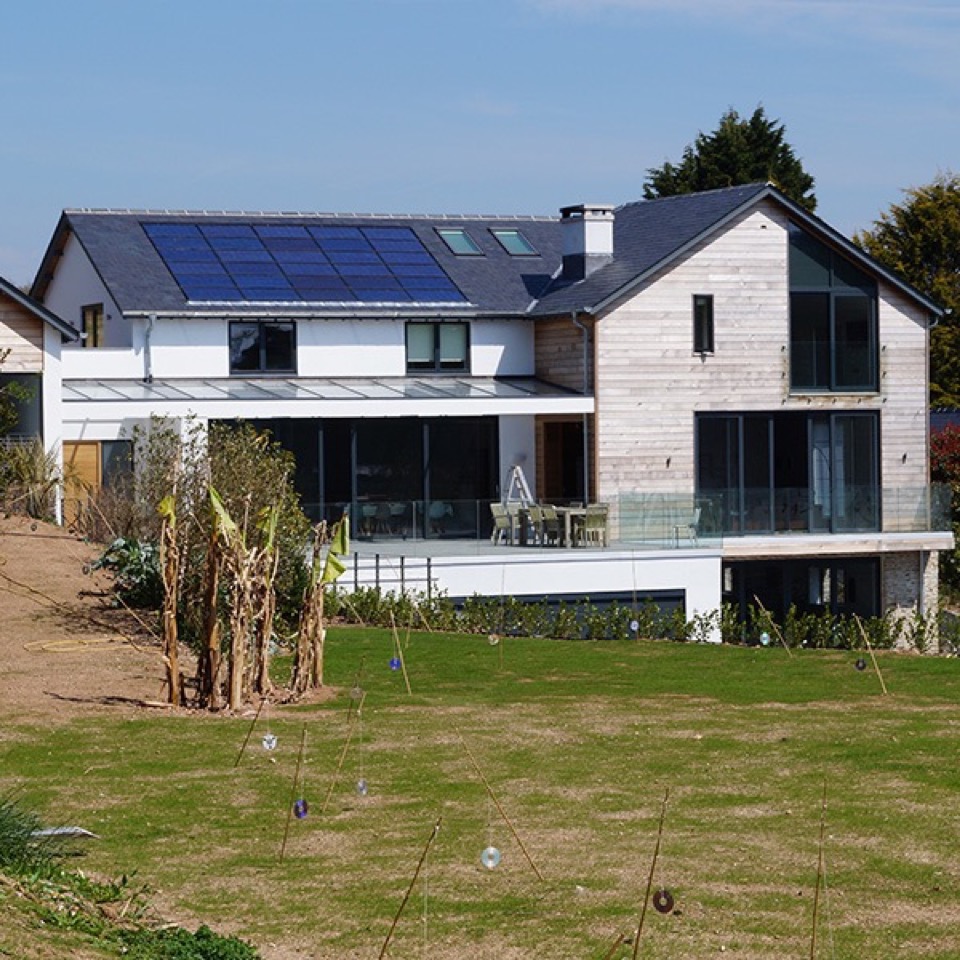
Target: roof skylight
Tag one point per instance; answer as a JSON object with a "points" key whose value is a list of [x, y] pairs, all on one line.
{"points": [[515, 243], [459, 241]]}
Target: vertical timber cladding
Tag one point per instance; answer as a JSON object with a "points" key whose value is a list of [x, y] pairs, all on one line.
{"points": [[21, 334], [559, 352], [651, 383]]}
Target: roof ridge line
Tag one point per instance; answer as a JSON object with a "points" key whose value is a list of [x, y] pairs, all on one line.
{"points": [[301, 214]]}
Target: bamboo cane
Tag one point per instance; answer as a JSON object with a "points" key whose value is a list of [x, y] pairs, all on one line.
{"points": [[876, 666], [399, 649], [493, 797], [293, 792], [773, 624], [653, 867], [351, 716], [617, 944], [816, 892], [246, 739], [406, 896]]}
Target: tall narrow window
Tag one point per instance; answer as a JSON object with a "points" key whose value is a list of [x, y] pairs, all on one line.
{"points": [[91, 325], [702, 323], [438, 347], [833, 320], [262, 346]]}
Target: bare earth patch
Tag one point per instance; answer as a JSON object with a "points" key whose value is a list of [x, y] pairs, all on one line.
{"points": [[63, 649]]}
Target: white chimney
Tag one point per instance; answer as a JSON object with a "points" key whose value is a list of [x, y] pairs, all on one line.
{"points": [[587, 232]]}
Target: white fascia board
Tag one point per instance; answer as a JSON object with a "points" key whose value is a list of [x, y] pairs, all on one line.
{"points": [[115, 410]]}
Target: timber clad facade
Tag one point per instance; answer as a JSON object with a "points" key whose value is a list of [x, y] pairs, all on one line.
{"points": [[21, 338]]}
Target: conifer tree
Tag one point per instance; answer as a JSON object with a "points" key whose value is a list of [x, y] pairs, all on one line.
{"points": [[739, 151]]}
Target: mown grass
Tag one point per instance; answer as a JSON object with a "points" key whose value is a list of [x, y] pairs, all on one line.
{"points": [[580, 742]]}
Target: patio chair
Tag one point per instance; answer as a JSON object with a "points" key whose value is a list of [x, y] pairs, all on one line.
{"points": [[688, 529], [551, 526], [535, 518], [502, 525], [594, 527]]}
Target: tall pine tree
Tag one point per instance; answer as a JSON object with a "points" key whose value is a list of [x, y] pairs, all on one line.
{"points": [[920, 240], [739, 151]]}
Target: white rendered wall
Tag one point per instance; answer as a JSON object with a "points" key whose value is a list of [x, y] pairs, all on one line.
{"points": [[199, 348], [543, 571], [518, 447], [351, 348], [76, 284], [502, 348]]}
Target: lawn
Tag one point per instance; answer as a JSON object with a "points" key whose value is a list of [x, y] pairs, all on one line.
{"points": [[580, 743]]}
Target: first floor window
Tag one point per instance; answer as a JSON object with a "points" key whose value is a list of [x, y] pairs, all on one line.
{"points": [[438, 347], [91, 325], [262, 346], [702, 323]]}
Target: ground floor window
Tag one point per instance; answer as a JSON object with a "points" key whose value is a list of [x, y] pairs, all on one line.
{"points": [[403, 477], [841, 586], [20, 405], [779, 472]]}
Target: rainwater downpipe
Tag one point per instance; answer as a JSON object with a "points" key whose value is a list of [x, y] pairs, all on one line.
{"points": [[147, 356], [586, 417]]}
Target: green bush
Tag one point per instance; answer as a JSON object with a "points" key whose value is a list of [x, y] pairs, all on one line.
{"points": [[135, 566], [180, 944]]}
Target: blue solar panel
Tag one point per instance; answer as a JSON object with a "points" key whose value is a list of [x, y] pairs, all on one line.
{"points": [[240, 261], [210, 230]]}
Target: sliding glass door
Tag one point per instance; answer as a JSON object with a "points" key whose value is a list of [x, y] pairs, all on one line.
{"points": [[776, 472]]}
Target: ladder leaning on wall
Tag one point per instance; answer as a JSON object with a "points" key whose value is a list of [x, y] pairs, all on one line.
{"points": [[518, 488]]}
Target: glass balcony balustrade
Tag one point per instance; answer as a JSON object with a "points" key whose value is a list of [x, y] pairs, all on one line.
{"points": [[660, 520]]}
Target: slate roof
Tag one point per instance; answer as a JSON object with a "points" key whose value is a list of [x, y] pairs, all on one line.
{"points": [[648, 236], [140, 282], [647, 233], [39, 310]]}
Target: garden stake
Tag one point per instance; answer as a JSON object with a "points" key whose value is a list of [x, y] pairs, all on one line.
{"points": [[876, 666], [653, 867], [293, 792], [399, 649], [351, 716], [246, 739], [774, 625], [406, 896], [617, 944], [496, 802], [816, 892]]}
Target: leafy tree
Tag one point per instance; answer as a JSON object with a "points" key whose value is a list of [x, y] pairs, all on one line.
{"points": [[739, 151], [920, 240], [945, 468], [12, 394]]}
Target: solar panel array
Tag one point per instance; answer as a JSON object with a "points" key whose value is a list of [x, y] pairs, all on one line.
{"points": [[284, 262]]}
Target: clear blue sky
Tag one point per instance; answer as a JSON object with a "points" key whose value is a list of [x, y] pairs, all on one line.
{"points": [[453, 106]]}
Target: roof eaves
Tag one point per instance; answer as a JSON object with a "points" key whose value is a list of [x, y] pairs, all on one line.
{"points": [[39, 310], [863, 258]]}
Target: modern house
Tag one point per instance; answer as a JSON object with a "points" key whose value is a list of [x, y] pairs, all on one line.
{"points": [[31, 339], [743, 387]]}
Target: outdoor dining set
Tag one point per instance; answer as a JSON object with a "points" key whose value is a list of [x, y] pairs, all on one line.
{"points": [[547, 525]]}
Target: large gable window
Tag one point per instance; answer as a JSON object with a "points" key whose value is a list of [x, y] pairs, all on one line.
{"points": [[833, 320], [438, 347], [262, 346]]}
